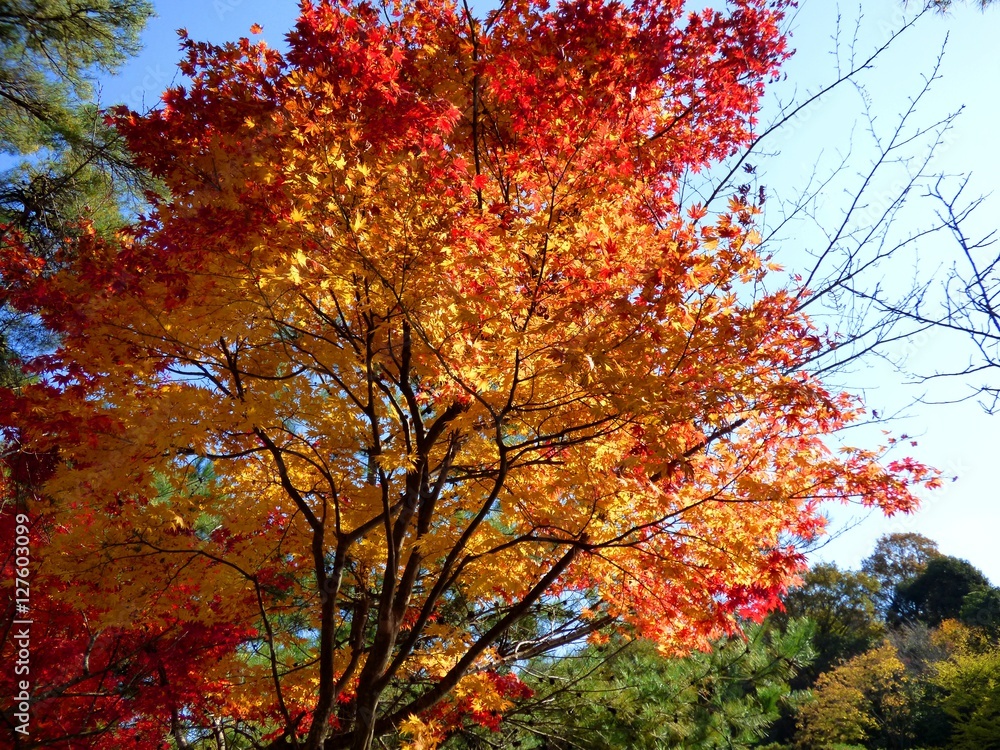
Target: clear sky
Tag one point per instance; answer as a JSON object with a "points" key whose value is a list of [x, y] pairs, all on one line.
{"points": [[960, 439], [964, 517]]}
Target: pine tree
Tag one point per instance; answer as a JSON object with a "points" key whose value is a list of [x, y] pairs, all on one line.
{"points": [[60, 162]]}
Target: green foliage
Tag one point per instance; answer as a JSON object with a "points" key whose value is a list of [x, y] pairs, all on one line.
{"points": [[627, 695], [67, 39], [60, 161], [840, 603], [922, 681], [932, 683], [917, 684], [938, 593], [75, 165], [867, 701], [896, 559], [981, 609], [970, 685], [920, 649]]}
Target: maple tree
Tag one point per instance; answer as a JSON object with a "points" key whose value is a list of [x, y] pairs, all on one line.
{"points": [[95, 681], [421, 346]]}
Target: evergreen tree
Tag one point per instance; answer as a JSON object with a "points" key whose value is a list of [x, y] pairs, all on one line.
{"points": [[896, 559], [628, 695], [67, 163], [938, 593], [60, 162]]}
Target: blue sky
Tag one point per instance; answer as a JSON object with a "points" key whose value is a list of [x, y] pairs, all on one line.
{"points": [[958, 438], [964, 516]]}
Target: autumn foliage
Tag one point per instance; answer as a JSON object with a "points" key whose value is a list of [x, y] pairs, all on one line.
{"points": [[421, 339]]}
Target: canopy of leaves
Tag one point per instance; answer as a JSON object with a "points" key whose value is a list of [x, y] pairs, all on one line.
{"points": [[629, 695], [895, 560], [981, 609], [49, 51], [840, 603], [938, 593], [864, 702], [423, 299], [970, 685]]}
